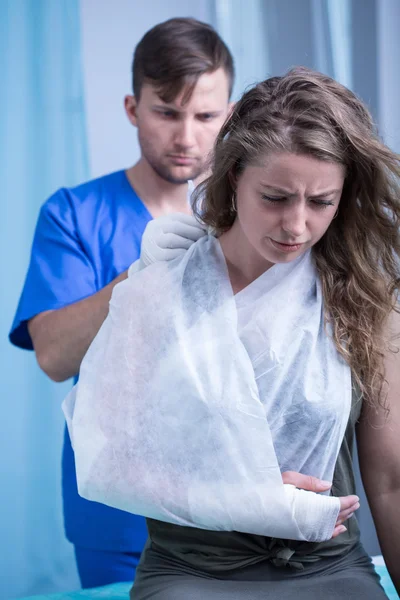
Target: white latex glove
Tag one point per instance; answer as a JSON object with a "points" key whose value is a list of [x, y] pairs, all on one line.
{"points": [[166, 238]]}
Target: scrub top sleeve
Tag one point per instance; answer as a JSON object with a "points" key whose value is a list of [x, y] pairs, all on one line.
{"points": [[60, 271]]}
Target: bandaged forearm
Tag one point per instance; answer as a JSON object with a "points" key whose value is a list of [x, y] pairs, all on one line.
{"points": [[180, 416], [315, 514]]}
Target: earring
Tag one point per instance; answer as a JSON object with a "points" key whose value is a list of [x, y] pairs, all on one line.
{"points": [[233, 203]]}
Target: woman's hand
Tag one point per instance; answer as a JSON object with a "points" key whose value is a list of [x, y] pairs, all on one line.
{"points": [[348, 504]]}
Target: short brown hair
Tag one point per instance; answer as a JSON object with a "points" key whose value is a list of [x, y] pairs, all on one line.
{"points": [[306, 112], [174, 54]]}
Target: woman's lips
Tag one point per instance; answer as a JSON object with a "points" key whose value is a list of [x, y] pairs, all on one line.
{"points": [[286, 247]]}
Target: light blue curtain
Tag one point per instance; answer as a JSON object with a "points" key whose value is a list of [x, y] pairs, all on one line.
{"points": [[332, 34], [267, 37], [241, 25], [388, 23], [42, 147]]}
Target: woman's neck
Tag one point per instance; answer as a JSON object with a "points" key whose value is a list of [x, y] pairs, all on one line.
{"points": [[245, 264]]}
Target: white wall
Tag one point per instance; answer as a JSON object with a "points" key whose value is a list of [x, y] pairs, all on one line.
{"points": [[110, 31]]}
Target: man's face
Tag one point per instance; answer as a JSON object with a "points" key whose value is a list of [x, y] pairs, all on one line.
{"points": [[176, 139]]}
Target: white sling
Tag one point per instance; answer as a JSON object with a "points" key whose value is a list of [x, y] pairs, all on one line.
{"points": [[192, 401]]}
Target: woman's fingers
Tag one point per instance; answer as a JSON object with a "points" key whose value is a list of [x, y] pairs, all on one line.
{"points": [[348, 506], [346, 513], [347, 502], [343, 518], [338, 530], [305, 482]]}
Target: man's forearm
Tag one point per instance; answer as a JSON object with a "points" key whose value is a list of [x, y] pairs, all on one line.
{"points": [[62, 337]]}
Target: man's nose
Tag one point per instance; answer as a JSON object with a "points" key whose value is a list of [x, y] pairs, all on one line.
{"points": [[185, 134]]}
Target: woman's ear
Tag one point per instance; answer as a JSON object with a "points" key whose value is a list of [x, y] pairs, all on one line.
{"points": [[232, 180]]}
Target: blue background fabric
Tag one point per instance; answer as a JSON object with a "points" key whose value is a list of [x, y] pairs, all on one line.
{"points": [[42, 143]]}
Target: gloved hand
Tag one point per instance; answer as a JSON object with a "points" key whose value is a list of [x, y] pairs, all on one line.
{"points": [[166, 238]]}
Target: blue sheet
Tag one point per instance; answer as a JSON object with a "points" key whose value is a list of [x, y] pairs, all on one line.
{"points": [[120, 591], [116, 591], [386, 582]]}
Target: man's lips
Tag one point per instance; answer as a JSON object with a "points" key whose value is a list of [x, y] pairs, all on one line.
{"points": [[181, 159]]}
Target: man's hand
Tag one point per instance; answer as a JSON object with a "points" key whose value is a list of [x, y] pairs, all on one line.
{"points": [[348, 504], [168, 237]]}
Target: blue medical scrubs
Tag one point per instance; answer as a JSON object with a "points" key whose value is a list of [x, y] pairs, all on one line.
{"points": [[84, 238]]}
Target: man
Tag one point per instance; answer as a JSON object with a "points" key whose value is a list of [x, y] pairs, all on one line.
{"points": [[87, 237]]}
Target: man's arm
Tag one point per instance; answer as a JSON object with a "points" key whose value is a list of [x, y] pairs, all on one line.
{"points": [[379, 455], [61, 337]]}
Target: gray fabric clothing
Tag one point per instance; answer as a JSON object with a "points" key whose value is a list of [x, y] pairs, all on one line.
{"points": [[349, 577]]}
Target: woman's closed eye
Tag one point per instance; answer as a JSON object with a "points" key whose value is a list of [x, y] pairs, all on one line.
{"points": [[316, 201], [274, 199]]}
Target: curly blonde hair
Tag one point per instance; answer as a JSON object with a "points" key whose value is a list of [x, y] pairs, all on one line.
{"points": [[358, 258]]}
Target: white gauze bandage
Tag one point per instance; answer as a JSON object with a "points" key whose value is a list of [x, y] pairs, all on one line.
{"points": [[192, 401]]}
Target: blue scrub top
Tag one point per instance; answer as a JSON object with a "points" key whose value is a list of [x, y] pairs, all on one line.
{"points": [[84, 238]]}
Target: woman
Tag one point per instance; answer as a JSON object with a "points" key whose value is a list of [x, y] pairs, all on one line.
{"points": [[300, 186]]}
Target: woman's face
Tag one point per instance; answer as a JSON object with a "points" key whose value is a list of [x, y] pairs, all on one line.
{"points": [[285, 204]]}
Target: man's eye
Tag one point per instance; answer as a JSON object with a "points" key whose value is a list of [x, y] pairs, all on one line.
{"points": [[167, 114]]}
